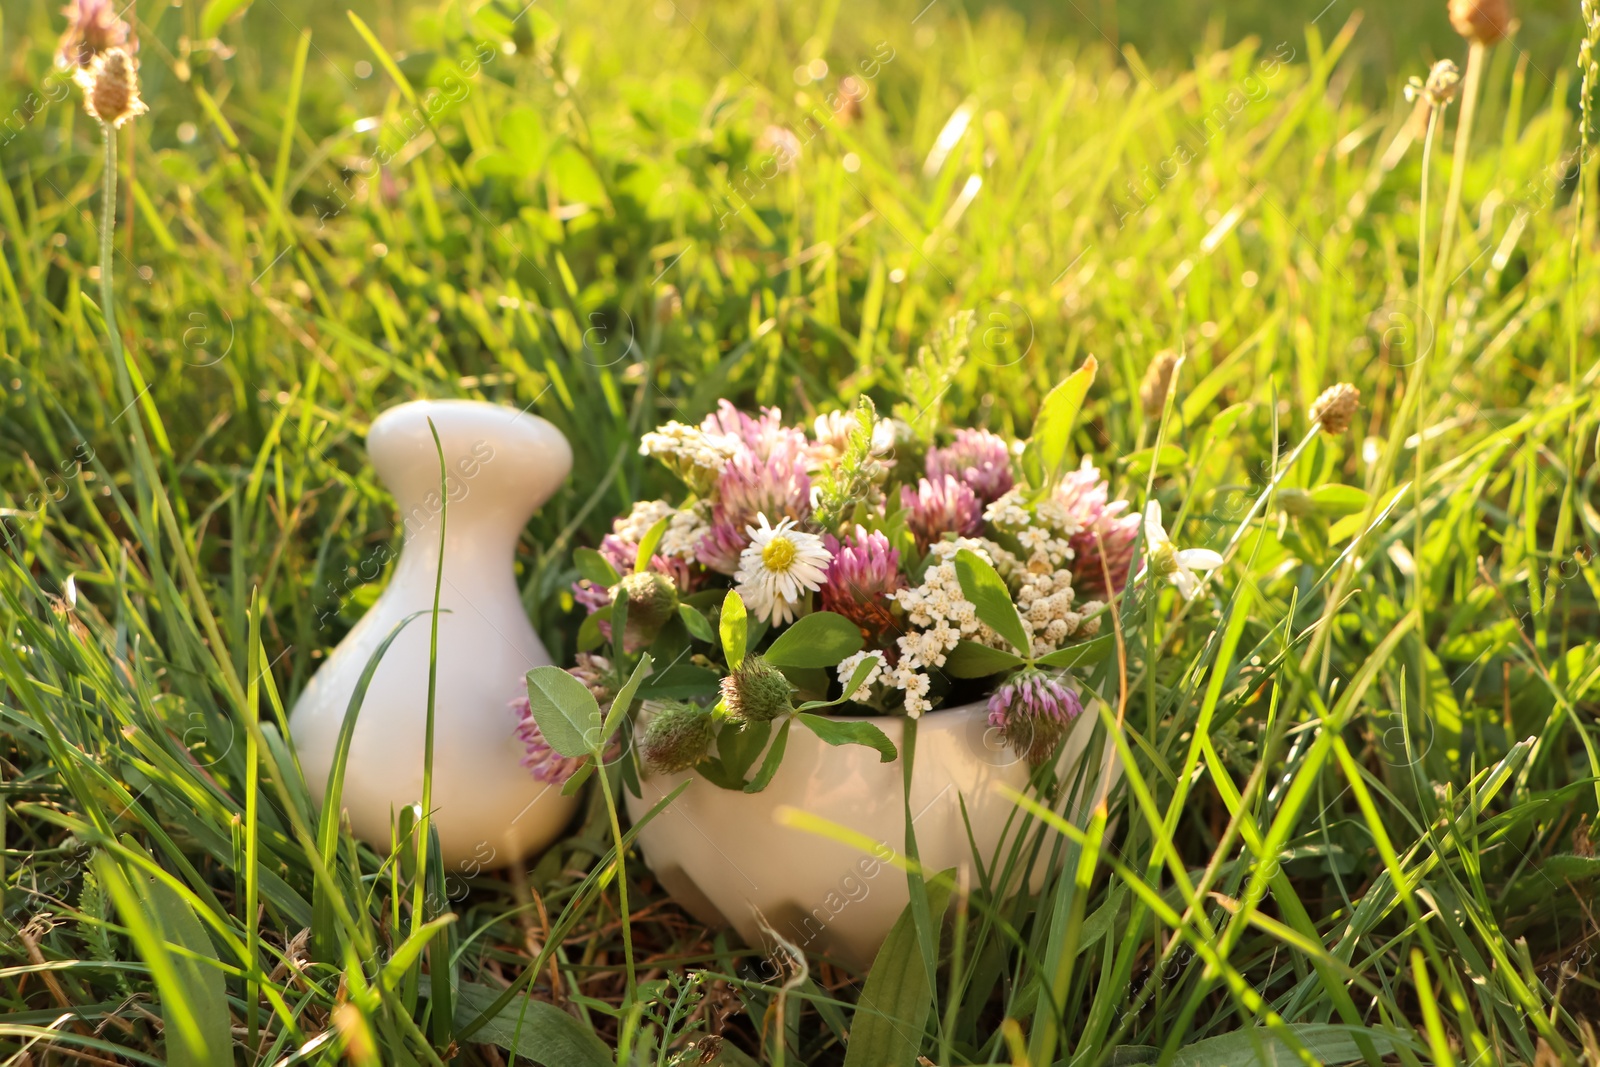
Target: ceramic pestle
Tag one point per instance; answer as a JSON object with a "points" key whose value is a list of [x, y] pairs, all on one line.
{"points": [[500, 465]]}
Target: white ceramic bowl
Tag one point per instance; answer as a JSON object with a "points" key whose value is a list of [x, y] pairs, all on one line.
{"points": [[728, 858]]}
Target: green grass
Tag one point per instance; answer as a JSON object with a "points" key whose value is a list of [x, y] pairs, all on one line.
{"points": [[1360, 817]]}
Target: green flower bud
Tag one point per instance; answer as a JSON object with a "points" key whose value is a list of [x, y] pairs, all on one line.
{"points": [[652, 602], [1297, 502], [676, 736], [1163, 559], [757, 692]]}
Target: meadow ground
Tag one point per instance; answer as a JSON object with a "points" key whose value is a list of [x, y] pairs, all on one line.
{"points": [[1360, 820]]}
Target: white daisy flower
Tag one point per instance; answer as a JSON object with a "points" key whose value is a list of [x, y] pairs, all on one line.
{"points": [[780, 566], [1176, 565]]}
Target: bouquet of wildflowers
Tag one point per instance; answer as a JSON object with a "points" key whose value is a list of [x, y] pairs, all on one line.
{"points": [[844, 563]]}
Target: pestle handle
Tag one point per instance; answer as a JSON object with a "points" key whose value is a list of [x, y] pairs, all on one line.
{"points": [[500, 464]]}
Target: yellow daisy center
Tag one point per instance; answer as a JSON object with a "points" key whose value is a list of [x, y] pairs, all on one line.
{"points": [[779, 554]]}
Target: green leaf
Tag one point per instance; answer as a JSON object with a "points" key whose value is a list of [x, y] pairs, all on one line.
{"points": [[821, 639], [619, 628], [982, 584], [589, 635], [718, 774], [672, 642], [595, 567], [1327, 1044], [845, 732], [735, 629], [621, 703], [858, 677], [531, 1028], [1444, 714], [218, 12], [1350, 525], [647, 547], [1569, 866], [575, 175], [1051, 443], [740, 744], [410, 949], [194, 995], [1137, 464], [972, 660], [698, 625], [1339, 500], [441, 949], [522, 132], [811, 680], [1561, 869], [204, 990], [1472, 645], [729, 1055], [679, 682], [565, 710], [572, 785], [1080, 655], [1218, 428], [769, 766], [893, 1010]]}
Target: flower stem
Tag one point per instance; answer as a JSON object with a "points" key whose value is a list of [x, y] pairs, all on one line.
{"points": [[622, 883], [1433, 305], [1476, 59], [108, 222], [1422, 214], [1419, 374], [108, 306], [1321, 647], [143, 471], [1591, 68]]}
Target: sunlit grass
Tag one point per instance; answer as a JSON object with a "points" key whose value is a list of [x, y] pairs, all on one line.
{"points": [[581, 213]]}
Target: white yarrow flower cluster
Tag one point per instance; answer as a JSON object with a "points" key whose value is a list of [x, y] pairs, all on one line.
{"points": [[684, 533], [942, 615], [1051, 512], [847, 670], [1046, 603], [643, 515], [1046, 552], [684, 529], [698, 457], [1038, 519], [915, 684], [1010, 511]]}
